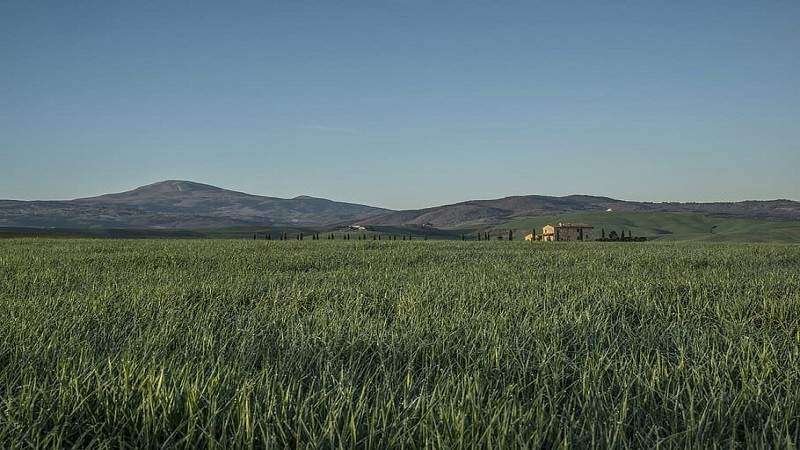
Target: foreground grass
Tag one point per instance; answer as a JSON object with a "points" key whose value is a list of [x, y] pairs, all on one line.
{"points": [[132, 344]]}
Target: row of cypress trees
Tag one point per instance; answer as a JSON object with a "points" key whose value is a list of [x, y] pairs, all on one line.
{"points": [[485, 236], [331, 236]]}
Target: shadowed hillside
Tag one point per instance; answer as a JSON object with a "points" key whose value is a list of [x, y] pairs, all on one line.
{"points": [[479, 213], [180, 204], [187, 205]]}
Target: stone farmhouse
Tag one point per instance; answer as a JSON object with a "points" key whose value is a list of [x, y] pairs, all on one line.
{"points": [[563, 232], [567, 232]]}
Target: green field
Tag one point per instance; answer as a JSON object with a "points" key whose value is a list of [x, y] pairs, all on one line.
{"points": [[666, 226], [662, 226], [343, 344]]}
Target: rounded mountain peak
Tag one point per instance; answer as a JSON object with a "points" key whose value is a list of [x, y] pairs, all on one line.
{"points": [[180, 186]]}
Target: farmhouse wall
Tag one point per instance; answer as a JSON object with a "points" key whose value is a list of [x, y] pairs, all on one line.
{"points": [[567, 232]]}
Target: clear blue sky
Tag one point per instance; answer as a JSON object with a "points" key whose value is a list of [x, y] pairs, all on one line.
{"points": [[403, 104]]}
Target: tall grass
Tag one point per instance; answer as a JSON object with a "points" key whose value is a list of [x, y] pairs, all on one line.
{"points": [[269, 344]]}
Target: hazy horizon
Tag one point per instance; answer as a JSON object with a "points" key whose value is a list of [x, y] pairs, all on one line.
{"points": [[403, 105], [381, 206]]}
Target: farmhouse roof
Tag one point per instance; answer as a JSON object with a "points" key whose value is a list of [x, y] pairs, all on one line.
{"points": [[571, 225]]}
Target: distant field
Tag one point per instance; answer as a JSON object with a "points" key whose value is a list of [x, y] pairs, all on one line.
{"points": [[661, 226], [237, 343], [673, 226]]}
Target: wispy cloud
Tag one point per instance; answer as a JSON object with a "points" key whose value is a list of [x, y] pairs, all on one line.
{"points": [[327, 128]]}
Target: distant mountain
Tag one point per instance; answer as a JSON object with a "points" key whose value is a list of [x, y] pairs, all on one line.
{"points": [[181, 204], [482, 213], [178, 204]]}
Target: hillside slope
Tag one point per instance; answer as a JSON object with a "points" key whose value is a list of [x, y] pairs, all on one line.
{"points": [[666, 226], [181, 204], [479, 213], [176, 204]]}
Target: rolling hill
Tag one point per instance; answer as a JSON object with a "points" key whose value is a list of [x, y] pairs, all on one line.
{"points": [[668, 226], [176, 204], [202, 208], [485, 213]]}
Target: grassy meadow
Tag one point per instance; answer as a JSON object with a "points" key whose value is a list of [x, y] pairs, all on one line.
{"points": [[388, 344], [666, 226]]}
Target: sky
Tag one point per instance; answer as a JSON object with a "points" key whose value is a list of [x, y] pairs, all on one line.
{"points": [[402, 104]]}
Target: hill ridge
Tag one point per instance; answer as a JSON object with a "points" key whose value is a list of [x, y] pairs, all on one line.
{"points": [[190, 204], [181, 204], [476, 213]]}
